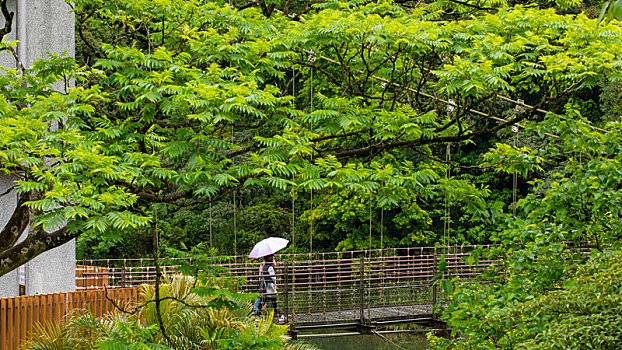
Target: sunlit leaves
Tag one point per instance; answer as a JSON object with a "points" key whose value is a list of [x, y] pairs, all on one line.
{"points": [[193, 99], [511, 160]]}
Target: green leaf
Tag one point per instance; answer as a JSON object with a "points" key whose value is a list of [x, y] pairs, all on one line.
{"points": [[615, 10], [601, 15]]}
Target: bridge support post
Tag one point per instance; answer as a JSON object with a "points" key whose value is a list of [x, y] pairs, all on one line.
{"points": [[365, 328], [434, 272], [293, 333], [293, 289], [361, 286], [286, 277]]}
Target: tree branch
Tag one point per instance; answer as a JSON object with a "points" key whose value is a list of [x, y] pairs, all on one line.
{"points": [[166, 198], [8, 20], [247, 5], [16, 225], [37, 242]]}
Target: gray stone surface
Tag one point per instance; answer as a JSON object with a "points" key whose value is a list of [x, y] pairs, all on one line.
{"points": [[6, 58], [53, 271], [40, 26], [8, 282], [53, 31]]}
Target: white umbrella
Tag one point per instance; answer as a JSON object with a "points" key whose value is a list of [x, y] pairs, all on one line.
{"points": [[268, 246]]}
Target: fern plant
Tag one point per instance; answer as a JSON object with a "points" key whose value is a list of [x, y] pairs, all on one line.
{"points": [[190, 321]]}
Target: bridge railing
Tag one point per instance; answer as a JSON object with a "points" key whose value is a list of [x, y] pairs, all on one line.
{"points": [[358, 286], [369, 285]]}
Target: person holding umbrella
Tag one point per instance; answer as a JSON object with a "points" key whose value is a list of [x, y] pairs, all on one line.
{"points": [[267, 274], [267, 285]]}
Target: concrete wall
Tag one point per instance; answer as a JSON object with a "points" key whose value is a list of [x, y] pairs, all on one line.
{"points": [[41, 26], [8, 282]]}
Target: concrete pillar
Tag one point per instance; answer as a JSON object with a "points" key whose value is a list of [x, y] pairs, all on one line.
{"points": [[40, 26]]}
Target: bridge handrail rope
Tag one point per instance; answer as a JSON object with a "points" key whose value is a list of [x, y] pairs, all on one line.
{"points": [[227, 261], [247, 267]]}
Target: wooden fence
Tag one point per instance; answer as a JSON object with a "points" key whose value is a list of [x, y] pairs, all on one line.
{"points": [[84, 281], [20, 315]]}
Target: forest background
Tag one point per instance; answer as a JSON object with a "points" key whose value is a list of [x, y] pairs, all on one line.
{"points": [[337, 125], [390, 161]]}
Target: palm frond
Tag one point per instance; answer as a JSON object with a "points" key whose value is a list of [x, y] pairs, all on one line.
{"points": [[48, 336], [300, 346]]}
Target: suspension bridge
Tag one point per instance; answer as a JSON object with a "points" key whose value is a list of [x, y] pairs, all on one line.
{"points": [[354, 291]]}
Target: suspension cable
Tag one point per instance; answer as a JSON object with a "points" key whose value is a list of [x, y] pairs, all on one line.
{"points": [[369, 220], [293, 233], [514, 176], [447, 223], [235, 208], [311, 111], [381, 228]]}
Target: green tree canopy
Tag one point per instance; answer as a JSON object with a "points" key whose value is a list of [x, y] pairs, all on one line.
{"points": [[197, 99]]}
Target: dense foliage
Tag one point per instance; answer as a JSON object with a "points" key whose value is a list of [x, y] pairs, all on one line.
{"points": [[349, 142], [190, 321], [559, 280], [338, 125]]}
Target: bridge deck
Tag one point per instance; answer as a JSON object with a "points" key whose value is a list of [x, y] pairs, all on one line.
{"points": [[377, 314]]}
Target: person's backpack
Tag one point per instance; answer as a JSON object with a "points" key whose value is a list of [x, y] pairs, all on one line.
{"points": [[266, 282]]}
